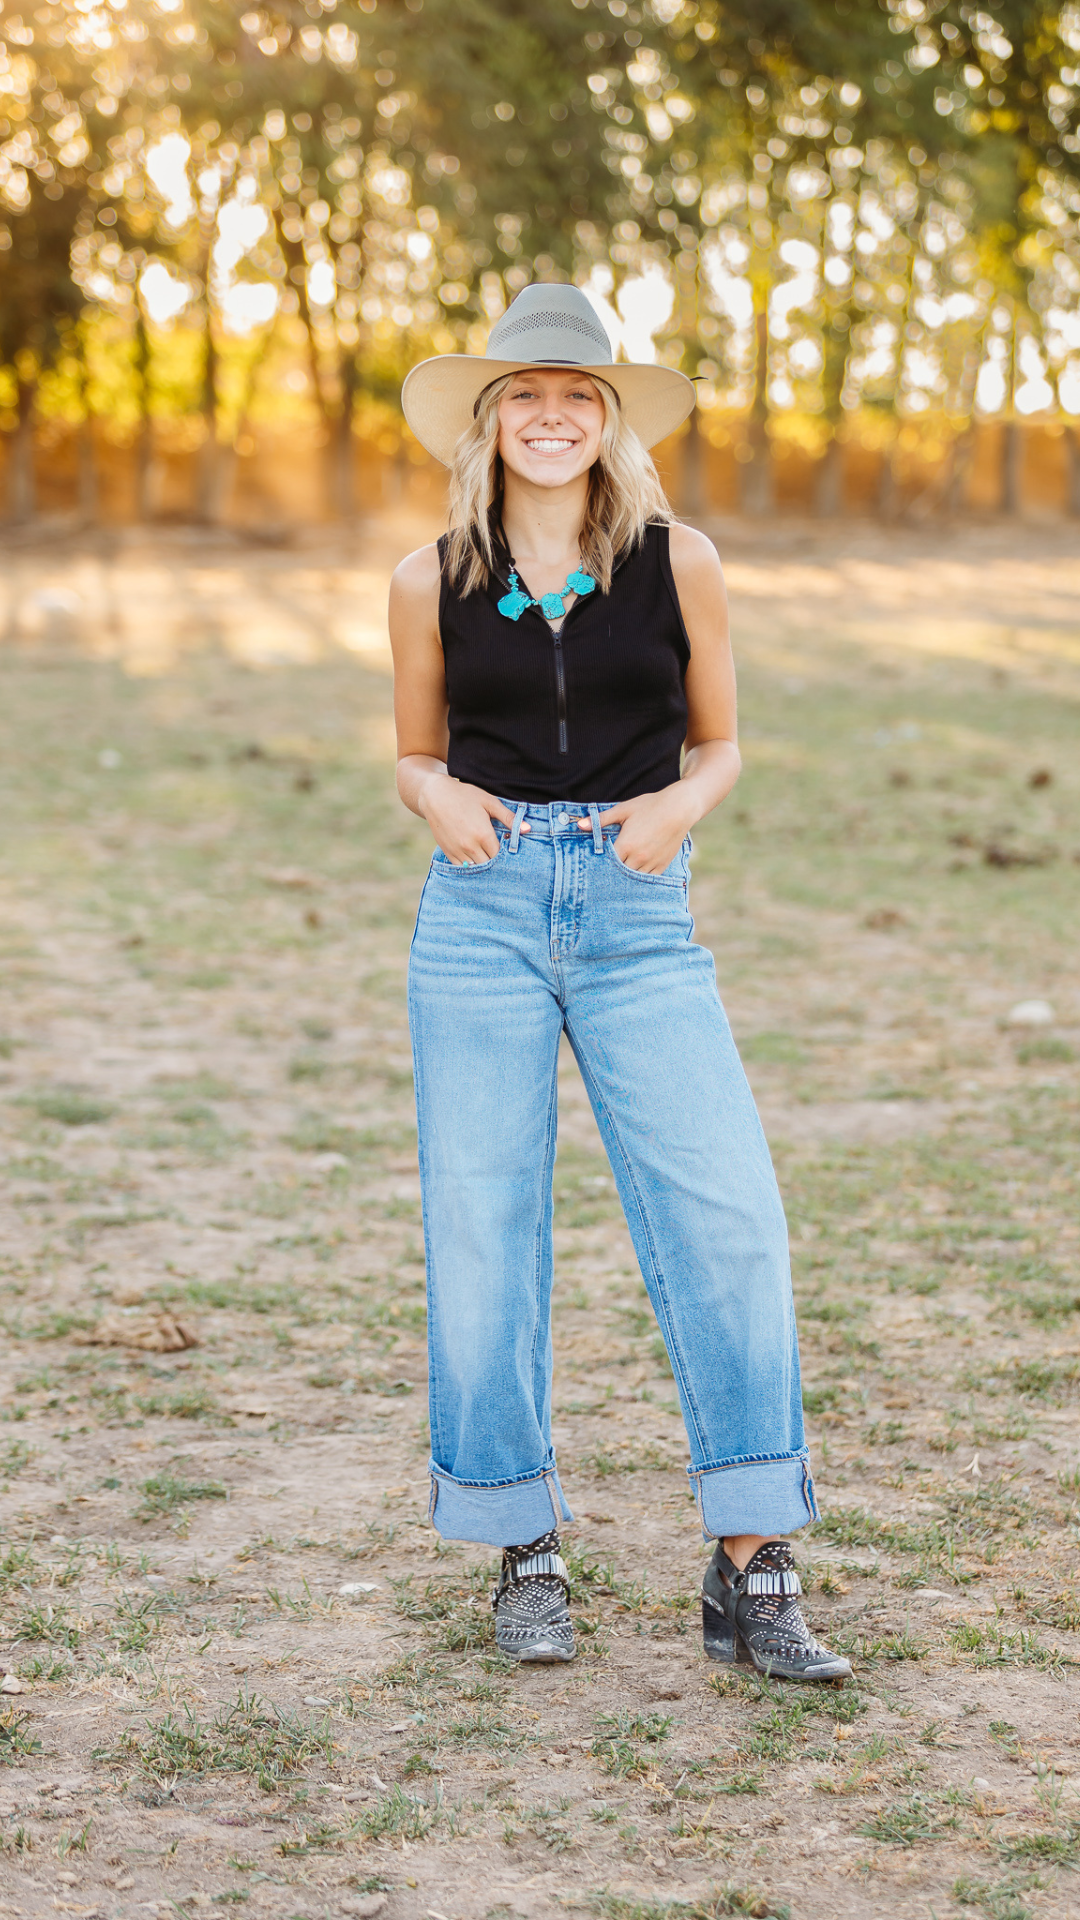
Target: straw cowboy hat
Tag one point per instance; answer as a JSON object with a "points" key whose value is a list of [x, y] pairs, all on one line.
{"points": [[546, 326]]}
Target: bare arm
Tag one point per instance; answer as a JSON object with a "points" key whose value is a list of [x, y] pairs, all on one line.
{"points": [[654, 825], [459, 815]]}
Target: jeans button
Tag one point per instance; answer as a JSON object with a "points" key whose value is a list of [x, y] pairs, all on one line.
{"points": [[564, 819]]}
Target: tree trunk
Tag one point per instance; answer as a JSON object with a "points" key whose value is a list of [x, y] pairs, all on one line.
{"points": [[144, 440], [954, 491], [342, 445], [22, 481], [211, 479], [1012, 456], [1072, 480], [756, 489], [888, 490], [85, 450], [87, 473], [829, 481], [694, 501]]}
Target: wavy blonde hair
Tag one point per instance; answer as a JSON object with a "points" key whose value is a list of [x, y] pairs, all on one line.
{"points": [[624, 495]]}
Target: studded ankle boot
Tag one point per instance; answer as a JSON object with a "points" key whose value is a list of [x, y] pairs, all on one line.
{"points": [[532, 1623], [752, 1616]]}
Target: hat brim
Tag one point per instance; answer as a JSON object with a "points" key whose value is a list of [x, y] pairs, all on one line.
{"points": [[439, 395]]}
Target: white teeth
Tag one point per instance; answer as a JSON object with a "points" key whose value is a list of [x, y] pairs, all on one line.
{"points": [[548, 446]]}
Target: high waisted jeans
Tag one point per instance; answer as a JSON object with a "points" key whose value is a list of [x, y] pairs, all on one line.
{"points": [[555, 935]]}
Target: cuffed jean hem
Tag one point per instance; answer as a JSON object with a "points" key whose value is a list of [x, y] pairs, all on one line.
{"points": [[506, 1513], [767, 1496]]}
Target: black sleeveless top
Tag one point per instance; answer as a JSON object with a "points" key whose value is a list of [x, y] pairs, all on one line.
{"points": [[598, 713]]}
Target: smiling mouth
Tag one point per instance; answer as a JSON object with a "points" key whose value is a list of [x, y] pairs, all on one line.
{"points": [[550, 446]]}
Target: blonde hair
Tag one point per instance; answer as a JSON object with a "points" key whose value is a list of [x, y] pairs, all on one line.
{"points": [[624, 494]]}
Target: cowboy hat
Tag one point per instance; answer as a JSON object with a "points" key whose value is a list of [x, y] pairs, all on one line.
{"points": [[546, 326]]}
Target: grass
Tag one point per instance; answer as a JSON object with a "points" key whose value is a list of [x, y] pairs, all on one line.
{"points": [[252, 1736], [70, 1107], [1061, 1849], [16, 1742], [909, 1822], [135, 1623], [722, 1901], [164, 1492], [619, 1741], [13, 1458], [43, 1621], [396, 1816], [994, 1647]]}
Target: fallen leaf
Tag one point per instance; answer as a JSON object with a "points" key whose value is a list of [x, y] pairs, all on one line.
{"points": [[160, 1333]]}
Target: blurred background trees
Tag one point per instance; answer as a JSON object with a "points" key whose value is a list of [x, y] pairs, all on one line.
{"points": [[848, 219]]}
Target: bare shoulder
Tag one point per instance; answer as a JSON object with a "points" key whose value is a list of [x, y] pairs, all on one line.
{"points": [[694, 560], [416, 578]]}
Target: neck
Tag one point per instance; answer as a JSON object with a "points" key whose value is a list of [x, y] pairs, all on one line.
{"points": [[543, 524]]}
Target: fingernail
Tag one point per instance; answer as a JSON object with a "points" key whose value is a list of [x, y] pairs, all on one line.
{"points": [[526, 829]]}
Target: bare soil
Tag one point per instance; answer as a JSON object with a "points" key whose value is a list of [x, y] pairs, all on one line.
{"points": [[239, 1668]]}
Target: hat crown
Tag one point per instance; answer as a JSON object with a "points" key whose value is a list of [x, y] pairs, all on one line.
{"points": [[550, 325]]}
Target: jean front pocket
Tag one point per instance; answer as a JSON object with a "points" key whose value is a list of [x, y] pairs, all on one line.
{"points": [[675, 875], [441, 863]]}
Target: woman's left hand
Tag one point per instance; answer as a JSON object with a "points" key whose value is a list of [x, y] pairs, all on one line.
{"points": [[652, 828]]}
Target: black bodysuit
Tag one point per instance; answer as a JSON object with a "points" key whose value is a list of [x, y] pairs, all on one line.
{"points": [[596, 714]]}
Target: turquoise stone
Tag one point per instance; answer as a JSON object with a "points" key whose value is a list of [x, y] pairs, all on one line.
{"points": [[551, 606], [580, 583], [514, 604]]}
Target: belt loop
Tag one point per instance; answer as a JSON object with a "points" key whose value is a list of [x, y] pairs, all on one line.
{"points": [[597, 836], [519, 815]]}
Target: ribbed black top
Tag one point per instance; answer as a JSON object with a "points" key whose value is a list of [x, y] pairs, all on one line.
{"points": [[597, 714]]}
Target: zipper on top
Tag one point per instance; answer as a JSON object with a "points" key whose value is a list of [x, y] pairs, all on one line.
{"points": [[560, 690]]}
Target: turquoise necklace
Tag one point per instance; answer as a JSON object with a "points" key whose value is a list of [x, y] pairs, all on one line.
{"points": [[513, 604]]}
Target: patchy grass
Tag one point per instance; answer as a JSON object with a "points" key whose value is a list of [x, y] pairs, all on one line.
{"points": [[16, 1740], [256, 1177], [252, 1736], [164, 1492]]}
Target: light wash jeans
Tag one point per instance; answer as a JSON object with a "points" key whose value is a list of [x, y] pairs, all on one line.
{"points": [[555, 935]]}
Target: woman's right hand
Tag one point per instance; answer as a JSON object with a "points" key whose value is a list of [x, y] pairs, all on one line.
{"points": [[460, 817]]}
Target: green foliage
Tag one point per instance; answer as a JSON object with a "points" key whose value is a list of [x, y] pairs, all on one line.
{"points": [[252, 1736], [13, 1458], [70, 1106], [397, 1816], [907, 1822], [429, 174], [164, 1492], [728, 1899], [1000, 1899], [15, 1740], [42, 1621]]}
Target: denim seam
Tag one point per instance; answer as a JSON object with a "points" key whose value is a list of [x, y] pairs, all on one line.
{"points": [[549, 1170], [546, 1472], [658, 1275], [801, 1454]]}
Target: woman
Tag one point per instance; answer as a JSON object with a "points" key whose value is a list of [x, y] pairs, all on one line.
{"points": [[554, 654]]}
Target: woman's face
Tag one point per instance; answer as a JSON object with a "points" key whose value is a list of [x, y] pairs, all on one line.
{"points": [[550, 423]]}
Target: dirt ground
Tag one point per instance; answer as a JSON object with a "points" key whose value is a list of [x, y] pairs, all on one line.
{"points": [[239, 1668]]}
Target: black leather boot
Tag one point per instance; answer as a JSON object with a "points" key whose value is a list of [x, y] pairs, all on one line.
{"points": [[752, 1617], [532, 1621]]}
